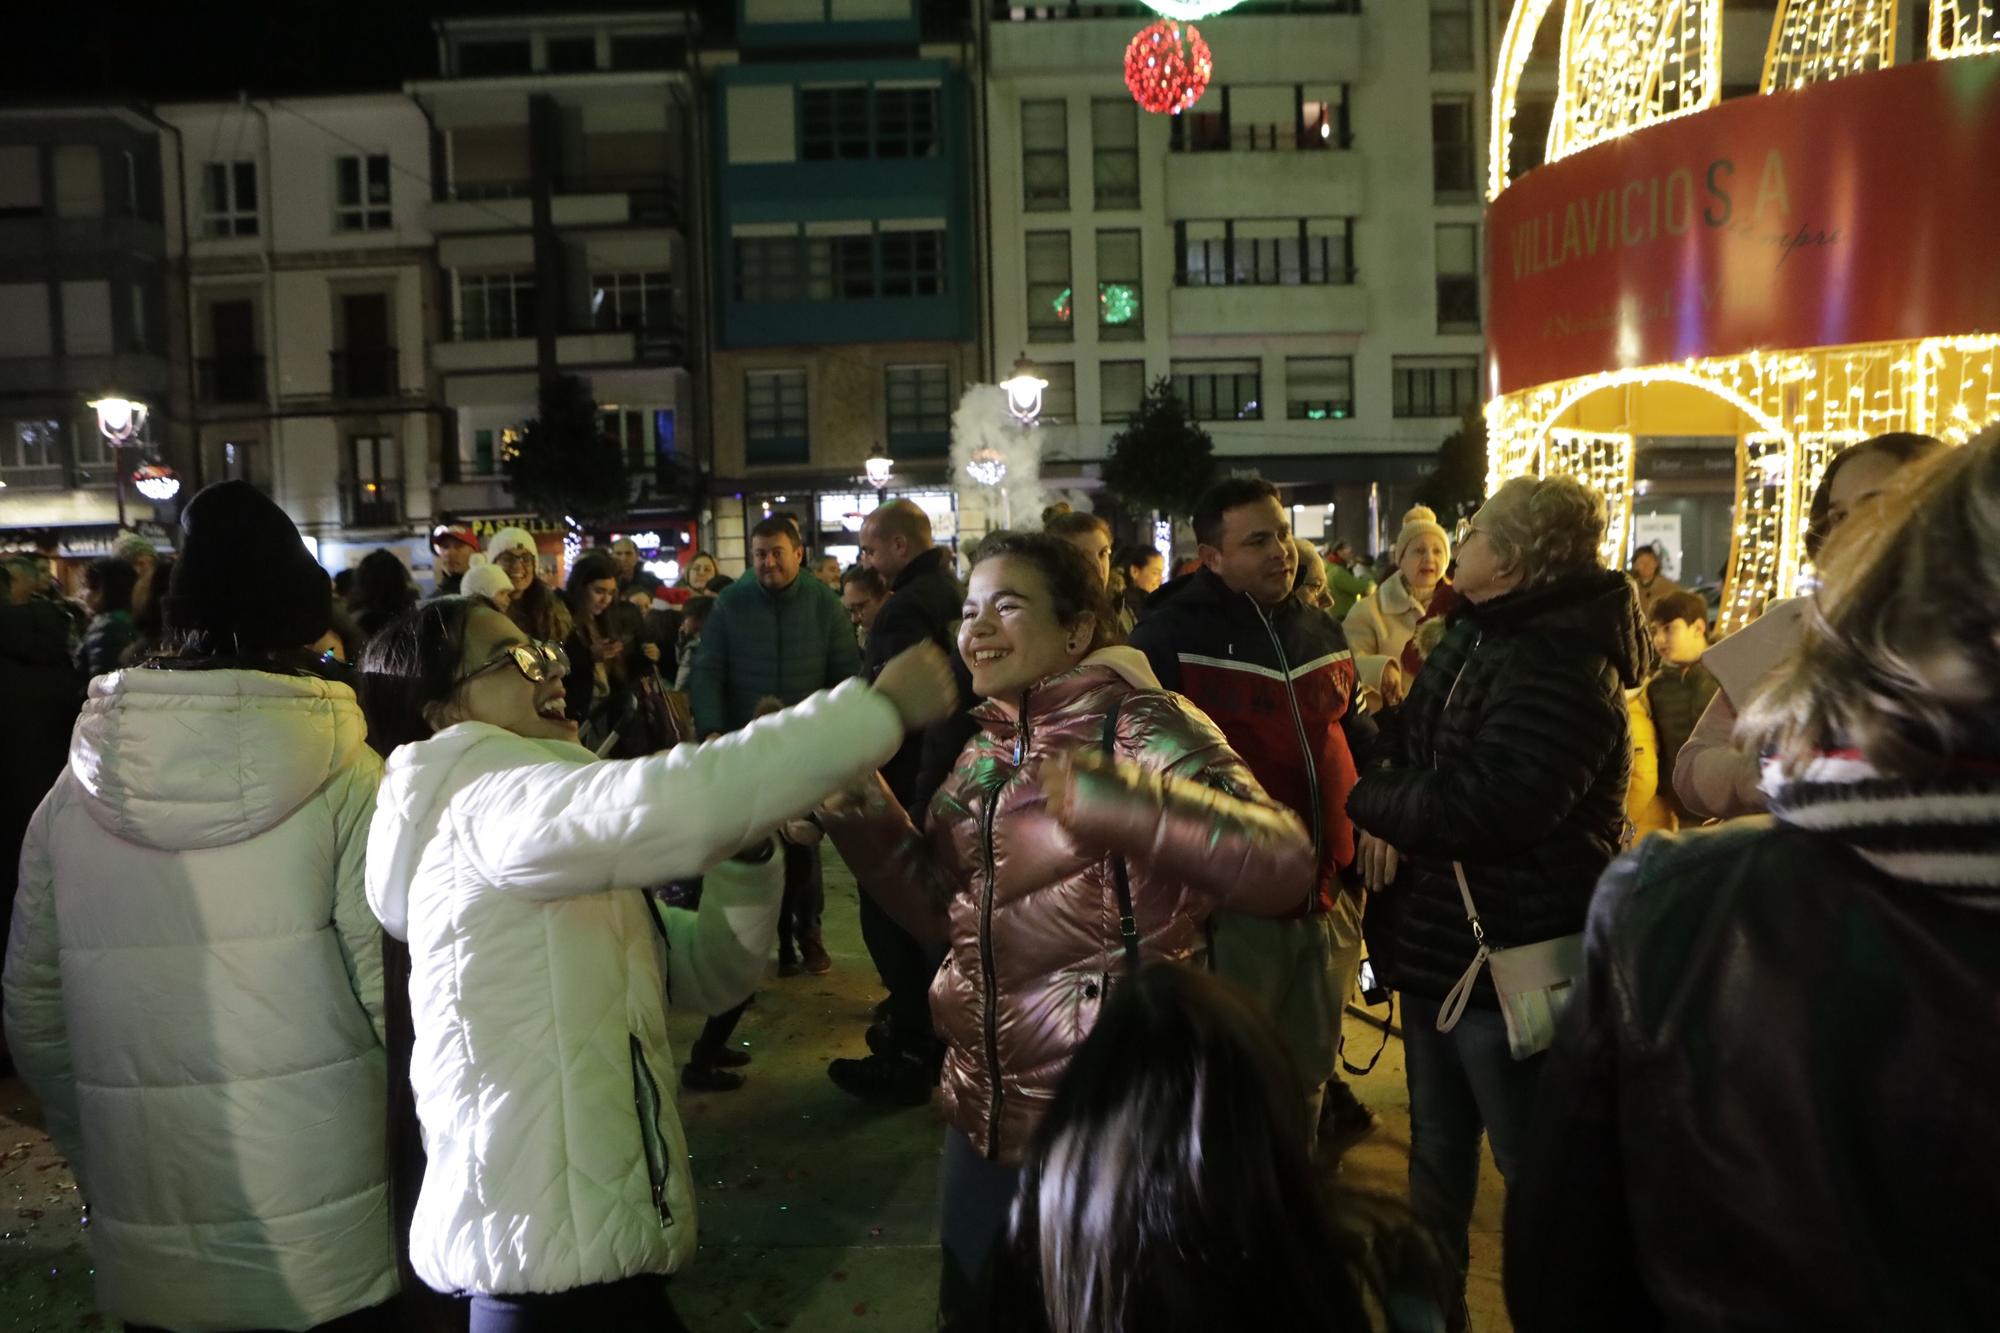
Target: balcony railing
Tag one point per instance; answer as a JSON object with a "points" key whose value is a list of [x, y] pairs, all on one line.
{"points": [[230, 379], [1025, 11], [1211, 134], [375, 373], [368, 504]]}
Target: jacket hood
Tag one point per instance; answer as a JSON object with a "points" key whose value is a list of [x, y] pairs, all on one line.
{"points": [[417, 780], [1066, 687], [179, 760], [1599, 606]]}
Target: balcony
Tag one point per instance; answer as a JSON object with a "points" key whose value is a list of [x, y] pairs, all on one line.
{"points": [[226, 380], [648, 198], [1277, 184], [1311, 42], [375, 373], [1266, 311], [368, 504], [1212, 134]]}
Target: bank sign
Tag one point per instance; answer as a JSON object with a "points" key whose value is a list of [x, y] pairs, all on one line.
{"points": [[1862, 210]]}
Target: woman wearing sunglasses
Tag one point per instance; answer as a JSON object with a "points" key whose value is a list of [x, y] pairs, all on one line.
{"points": [[557, 1193]]}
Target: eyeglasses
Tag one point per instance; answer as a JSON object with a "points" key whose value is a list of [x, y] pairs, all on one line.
{"points": [[1461, 532], [515, 557], [536, 660]]}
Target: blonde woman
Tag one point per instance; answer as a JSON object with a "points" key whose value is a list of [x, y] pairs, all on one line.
{"points": [[1777, 1103], [1379, 627]]}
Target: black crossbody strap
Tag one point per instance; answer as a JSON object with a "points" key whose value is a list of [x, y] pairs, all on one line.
{"points": [[1128, 924]]}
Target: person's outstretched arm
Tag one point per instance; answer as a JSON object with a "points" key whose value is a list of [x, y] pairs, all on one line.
{"points": [[910, 876]]}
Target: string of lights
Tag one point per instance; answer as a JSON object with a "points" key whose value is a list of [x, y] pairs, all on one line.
{"points": [[1603, 462], [1964, 28], [1814, 41], [1627, 64]]}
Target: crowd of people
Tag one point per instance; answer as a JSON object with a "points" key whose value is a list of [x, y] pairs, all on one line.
{"points": [[347, 918]]}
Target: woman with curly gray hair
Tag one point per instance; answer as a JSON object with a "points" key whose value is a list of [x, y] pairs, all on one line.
{"points": [[1512, 769], [1777, 1104]]}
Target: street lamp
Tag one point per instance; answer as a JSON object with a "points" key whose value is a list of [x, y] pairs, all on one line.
{"points": [[878, 467], [1024, 391], [120, 421]]}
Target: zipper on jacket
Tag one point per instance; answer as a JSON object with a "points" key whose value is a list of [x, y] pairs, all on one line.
{"points": [[988, 971], [1305, 743], [646, 1102]]}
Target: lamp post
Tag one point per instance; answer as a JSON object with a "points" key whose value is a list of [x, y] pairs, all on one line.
{"points": [[120, 421], [878, 467], [1024, 391]]}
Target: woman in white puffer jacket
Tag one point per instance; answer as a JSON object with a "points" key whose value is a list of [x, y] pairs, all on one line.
{"points": [[557, 1191], [194, 981]]}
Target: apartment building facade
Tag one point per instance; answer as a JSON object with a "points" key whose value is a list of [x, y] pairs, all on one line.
{"points": [[1298, 253], [844, 262]]}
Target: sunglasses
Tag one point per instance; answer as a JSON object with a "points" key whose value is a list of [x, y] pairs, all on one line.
{"points": [[535, 660]]}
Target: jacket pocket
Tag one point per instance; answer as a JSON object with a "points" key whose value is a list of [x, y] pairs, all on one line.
{"points": [[646, 1102]]}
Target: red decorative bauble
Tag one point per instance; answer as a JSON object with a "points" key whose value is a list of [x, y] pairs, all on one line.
{"points": [[1166, 74]]}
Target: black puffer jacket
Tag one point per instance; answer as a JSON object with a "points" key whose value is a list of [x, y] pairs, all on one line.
{"points": [[1521, 777], [1775, 1102]]}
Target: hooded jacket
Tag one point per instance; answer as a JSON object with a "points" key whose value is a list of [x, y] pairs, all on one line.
{"points": [[539, 973], [923, 606], [1775, 1102], [761, 644], [194, 990], [1516, 760], [1029, 909], [1280, 685]]}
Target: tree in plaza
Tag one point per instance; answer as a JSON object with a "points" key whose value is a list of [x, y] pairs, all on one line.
{"points": [[1456, 482], [566, 463], [1162, 460]]}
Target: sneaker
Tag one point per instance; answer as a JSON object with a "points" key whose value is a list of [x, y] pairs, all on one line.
{"points": [[1344, 1121], [890, 1080], [788, 966], [707, 1078], [812, 956]]}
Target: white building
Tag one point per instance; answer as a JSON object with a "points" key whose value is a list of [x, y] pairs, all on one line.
{"points": [[1299, 251], [310, 309]]}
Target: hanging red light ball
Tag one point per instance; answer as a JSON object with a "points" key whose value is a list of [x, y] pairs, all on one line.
{"points": [[1166, 74]]}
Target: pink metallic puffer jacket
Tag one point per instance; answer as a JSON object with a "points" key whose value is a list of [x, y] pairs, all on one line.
{"points": [[1029, 907]]}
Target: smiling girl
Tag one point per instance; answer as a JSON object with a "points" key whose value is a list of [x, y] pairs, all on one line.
{"points": [[557, 1192]]}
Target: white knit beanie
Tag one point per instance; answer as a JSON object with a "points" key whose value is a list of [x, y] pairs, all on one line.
{"points": [[484, 579], [508, 539], [1416, 523]]}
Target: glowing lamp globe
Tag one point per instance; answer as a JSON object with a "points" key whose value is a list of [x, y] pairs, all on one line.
{"points": [[1166, 69]]}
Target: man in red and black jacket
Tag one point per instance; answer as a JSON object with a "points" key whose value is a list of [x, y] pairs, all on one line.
{"points": [[1276, 675]]}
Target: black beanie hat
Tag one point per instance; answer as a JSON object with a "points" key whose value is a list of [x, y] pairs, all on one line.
{"points": [[243, 572]]}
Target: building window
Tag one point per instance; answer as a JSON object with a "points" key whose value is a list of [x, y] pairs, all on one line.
{"points": [[840, 268], [645, 50], [374, 480], [912, 263], [496, 305], [239, 461], [1319, 388], [86, 311], [361, 193], [79, 182], [20, 181], [767, 268], [229, 198], [1220, 390], [1323, 119], [906, 122], [128, 184], [774, 416], [1059, 399], [571, 55], [919, 400], [1434, 386], [1044, 156], [484, 59], [1114, 151], [833, 123], [1121, 387], [1120, 317], [1451, 35], [1528, 136], [1458, 278], [1262, 252], [636, 301], [481, 462], [630, 430], [142, 331], [1452, 152], [31, 452], [1050, 297]]}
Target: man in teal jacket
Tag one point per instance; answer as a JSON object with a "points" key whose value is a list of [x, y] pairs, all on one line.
{"points": [[781, 635]]}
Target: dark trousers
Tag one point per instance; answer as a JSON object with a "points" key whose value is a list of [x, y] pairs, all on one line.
{"points": [[634, 1303], [375, 1319], [804, 901], [907, 969], [1461, 1082], [715, 1035], [977, 1195]]}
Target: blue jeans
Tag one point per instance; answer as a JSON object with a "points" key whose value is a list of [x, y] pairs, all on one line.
{"points": [[1461, 1082]]}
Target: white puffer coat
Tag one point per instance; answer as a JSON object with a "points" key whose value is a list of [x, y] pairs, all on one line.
{"points": [[538, 973], [194, 990]]}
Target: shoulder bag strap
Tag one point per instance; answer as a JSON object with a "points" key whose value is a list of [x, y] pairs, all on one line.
{"points": [[1128, 924]]}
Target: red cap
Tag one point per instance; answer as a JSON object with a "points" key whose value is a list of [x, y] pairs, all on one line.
{"points": [[445, 533]]}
